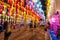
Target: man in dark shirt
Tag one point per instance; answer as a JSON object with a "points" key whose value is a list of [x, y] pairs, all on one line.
{"points": [[5, 24], [31, 26]]}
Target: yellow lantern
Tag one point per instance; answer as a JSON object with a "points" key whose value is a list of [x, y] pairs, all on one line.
{"points": [[47, 5]]}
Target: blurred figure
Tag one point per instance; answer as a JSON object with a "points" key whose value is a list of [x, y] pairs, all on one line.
{"points": [[14, 25], [1, 26], [31, 26], [58, 33], [40, 22], [47, 25], [47, 30], [47, 34], [7, 30], [5, 24], [34, 24]]}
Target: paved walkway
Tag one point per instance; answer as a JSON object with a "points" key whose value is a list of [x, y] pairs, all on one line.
{"points": [[28, 34]]}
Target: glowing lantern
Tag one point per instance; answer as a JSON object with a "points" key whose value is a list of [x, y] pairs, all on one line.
{"points": [[10, 2], [16, 1], [16, 5], [0, 10], [22, 2]]}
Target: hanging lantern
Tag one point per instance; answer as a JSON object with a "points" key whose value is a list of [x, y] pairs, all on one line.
{"points": [[10, 2], [0, 10], [22, 3], [16, 6], [16, 1]]}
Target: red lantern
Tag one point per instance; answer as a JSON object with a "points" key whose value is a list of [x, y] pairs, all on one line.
{"points": [[10, 2], [0, 10], [13, 12], [16, 1], [16, 6]]}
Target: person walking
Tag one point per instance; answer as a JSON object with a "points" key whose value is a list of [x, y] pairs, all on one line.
{"points": [[7, 31], [31, 26], [35, 24]]}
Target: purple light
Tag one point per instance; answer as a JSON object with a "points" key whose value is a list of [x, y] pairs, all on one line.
{"points": [[54, 22], [54, 19]]}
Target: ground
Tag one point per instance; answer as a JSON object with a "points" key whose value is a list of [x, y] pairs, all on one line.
{"points": [[23, 33]]}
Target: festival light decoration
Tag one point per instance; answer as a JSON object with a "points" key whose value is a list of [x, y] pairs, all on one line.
{"points": [[53, 19], [34, 5], [39, 8], [49, 7], [35, 1], [4, 12], [54, 22], [0, 8], [11, 2]]}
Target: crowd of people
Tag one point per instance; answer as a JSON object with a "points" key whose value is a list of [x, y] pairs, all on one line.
{"points": [[6, 28]]}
